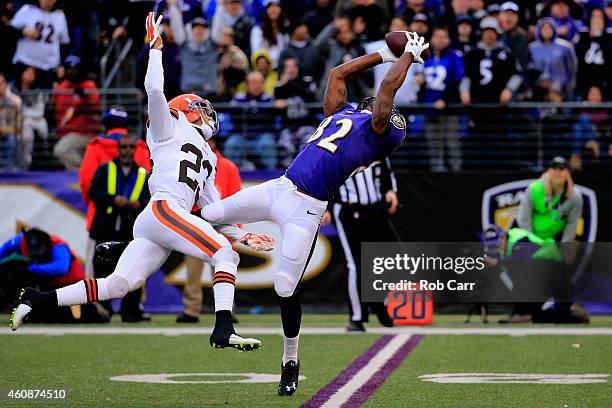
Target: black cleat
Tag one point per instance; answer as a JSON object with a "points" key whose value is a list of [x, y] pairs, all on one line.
{"points": [[27, 300], [383, 316], [224, 334], [185, 318], [355, 326], [290, 374]]}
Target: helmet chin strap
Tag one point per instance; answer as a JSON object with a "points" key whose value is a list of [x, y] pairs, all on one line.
{"points": [[205, 130]]}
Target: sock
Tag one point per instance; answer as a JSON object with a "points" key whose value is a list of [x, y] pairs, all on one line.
{"points": [[223, 287], [291, 314], [290, 350], [85, 291], [223, 318], [45, 300]]}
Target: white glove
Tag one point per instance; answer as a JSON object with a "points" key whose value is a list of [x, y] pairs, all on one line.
{"points": [[416, 45], [258, 242], [153, 28], [386, 54]]}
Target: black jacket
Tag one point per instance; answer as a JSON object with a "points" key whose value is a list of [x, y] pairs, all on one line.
{"points": [[112, 223]]}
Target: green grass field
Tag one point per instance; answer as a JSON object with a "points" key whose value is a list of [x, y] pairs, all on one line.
{"points": [[83, 365]]}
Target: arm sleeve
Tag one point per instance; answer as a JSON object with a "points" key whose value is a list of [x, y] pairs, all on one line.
{"points": [[523, 217], [176, 25], [59, 265], [64, 37], [569, 233], [161, 124], [216, 27], [19, 21], [256, 39], [10, 246]]}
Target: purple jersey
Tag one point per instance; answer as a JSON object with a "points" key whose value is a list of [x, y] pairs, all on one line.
{"points": [[343, 144]]}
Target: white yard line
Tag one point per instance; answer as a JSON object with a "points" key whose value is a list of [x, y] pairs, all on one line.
{"points": [[60, 330], [366, 372]]}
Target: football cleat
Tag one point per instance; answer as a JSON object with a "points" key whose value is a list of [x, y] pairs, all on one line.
{"points": [[290, 373], [23, 309], [222, 338], [355, 326]]}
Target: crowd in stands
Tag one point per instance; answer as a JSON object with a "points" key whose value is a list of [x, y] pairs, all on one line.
{"points": [[274, 56]]}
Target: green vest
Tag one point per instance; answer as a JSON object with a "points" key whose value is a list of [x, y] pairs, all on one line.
{"points": [[545, 219], [111, 186], [548, 248]]}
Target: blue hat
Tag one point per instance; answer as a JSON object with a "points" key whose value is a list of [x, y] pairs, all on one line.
{"points": [[72, 61], [115, 118]]}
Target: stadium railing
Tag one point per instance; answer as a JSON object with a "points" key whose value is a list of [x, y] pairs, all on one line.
{"points": [[523, 135]]}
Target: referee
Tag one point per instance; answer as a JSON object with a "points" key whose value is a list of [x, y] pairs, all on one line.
{"points": [[361, 213]]}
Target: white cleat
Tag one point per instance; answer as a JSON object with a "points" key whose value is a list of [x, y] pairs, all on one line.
{"points": [[19, 313], [244, 344]]}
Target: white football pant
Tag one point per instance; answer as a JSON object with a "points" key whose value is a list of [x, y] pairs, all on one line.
{"points": [[298, 216]]}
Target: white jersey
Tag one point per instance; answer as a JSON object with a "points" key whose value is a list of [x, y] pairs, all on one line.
{"points": [[44, 52], [184, 166]]}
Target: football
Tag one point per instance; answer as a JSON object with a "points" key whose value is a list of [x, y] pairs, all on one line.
{"points": [[396, 41]]}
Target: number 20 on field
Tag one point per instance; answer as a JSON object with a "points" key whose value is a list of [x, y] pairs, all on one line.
{"points": [[410, 307]]}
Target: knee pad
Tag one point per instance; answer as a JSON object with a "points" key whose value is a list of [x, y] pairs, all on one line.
{"points": [[285, 284], [295, 250], [118, 286], [226, 260]]}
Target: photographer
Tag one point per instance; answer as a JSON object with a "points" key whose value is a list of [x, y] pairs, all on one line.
{"points": [[35, 258]]}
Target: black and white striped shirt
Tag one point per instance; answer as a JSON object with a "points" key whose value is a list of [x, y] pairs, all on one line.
{"points": [[369, 186]]}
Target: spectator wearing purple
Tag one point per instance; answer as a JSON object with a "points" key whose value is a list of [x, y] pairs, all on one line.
{"points": [[414, 7], [594, 52], [230, 13], [189, 9], [270, 33], [441, 76], [592, 134], [251, 127], [560, 12], [554, 58], [514, 37]]}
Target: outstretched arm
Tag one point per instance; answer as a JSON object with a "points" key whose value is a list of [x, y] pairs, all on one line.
{"points": [[160, 119], [393, 80], [335, 93]]}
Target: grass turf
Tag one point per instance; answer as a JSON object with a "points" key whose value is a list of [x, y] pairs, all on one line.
{"points": [[500, 354], [84, 364]]}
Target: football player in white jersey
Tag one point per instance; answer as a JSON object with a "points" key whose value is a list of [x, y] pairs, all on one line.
{"points": [[182, 177]]}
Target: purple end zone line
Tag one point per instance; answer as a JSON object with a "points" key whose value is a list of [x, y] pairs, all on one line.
{"points": [[345, 376], [360, 396]]}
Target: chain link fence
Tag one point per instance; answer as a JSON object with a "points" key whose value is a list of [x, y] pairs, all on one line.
{"points": [[522, 136]]}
